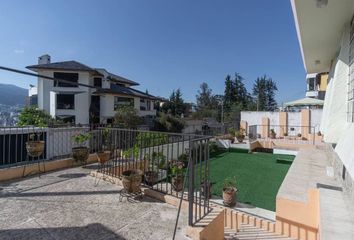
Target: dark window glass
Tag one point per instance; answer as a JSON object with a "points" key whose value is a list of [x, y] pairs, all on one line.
{"points": [[65, 101], [72, 77], [97, 82]]}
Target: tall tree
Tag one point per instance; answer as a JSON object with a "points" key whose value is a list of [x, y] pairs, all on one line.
{"points": [[229, 91], [175, 105], [264, 90]]}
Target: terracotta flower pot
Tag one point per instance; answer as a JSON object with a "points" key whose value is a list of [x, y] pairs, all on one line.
{"points": [[103, 156], [177, 183], [132, 180], [229, 196], [80, 154], [35, 148], [151, 177]]}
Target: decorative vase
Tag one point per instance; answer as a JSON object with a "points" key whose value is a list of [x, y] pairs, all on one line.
{"points": [[132, 180], [80, 154], [35, 148], [229, 196]]}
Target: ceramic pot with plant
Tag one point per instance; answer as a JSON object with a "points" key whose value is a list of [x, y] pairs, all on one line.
{"points": [[272, 134], [299, 135], [229, 192], [131, 180], [177, 176], [80, 152], [35, 146], [104, 154], [240, 135]]}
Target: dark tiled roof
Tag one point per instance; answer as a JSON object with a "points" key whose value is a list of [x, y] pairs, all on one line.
{"points": [[116, 89], [67, 65], [116, 78]]}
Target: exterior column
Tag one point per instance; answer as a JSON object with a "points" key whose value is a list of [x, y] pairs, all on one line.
{"points": [[283, 123], [265, 127], [305, 122], [244, 125]]}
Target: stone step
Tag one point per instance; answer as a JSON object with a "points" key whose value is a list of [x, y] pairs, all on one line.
{"points": [[249, 232]]}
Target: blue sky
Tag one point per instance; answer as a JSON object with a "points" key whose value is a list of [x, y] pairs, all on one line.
{"points": [[162, 44]]}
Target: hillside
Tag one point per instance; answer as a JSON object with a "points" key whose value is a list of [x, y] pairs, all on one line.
{"points": [[12, 95]]}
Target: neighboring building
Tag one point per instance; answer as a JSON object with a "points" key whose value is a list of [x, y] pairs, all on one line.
{"points": [[32, 99], [80, 104], [316, 85]]}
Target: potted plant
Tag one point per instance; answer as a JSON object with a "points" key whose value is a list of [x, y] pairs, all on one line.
{"points": [[240, 135], [319, 133], [184, 157], [272, 133], [34, 147], [80, 152], [299, 135], [229, 192], [104, 154], [131, 180], [177, 174]]}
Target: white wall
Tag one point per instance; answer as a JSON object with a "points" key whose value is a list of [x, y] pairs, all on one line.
{"points": [[255, 118], [334, 121]]}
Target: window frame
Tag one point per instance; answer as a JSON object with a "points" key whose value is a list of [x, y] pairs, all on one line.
{"points": [[63, 108], [63, 77]]}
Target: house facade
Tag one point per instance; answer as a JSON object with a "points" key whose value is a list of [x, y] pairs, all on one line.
{"points": [[96, 99]]}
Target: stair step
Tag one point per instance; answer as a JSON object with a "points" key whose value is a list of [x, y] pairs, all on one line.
{"points": [[249, 232]]}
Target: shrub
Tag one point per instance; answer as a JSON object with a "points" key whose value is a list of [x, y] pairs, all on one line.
{"points": [[32, 116], [81, 138], [150, 139], [168, 123], [127, 117]]}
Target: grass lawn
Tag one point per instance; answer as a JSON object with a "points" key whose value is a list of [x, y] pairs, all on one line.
{"points": [[258, 175]]}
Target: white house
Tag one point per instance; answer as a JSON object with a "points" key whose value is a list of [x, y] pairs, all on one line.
{"points": [[95, 103], [325, 30]]}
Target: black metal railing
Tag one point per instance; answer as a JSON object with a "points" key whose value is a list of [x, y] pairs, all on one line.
{"points": [[288, 133], [180, 161]]}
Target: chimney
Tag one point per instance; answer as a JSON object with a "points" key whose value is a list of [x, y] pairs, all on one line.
{"points": [[45, 59]]}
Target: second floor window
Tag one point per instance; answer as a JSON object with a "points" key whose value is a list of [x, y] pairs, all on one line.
{"points": [[97, 82], [65, 101], [72, 77]]}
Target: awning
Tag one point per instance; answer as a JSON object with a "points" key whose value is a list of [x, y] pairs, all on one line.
{"points": [[304, 102]]}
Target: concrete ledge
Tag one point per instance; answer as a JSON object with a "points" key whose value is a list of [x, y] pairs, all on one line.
{"points": [[17, 171]]}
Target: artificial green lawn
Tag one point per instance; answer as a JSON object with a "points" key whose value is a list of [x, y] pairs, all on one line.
{"points": [[258, 175]]}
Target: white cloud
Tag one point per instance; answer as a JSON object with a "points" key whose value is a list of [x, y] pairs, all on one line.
{"points": [[18, 51]]}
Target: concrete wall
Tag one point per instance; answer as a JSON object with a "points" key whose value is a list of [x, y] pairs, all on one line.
{"points": [[334, 122], [294, 120]]}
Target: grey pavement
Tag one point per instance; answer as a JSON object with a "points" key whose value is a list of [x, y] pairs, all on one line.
{"points": [[67, 205]]}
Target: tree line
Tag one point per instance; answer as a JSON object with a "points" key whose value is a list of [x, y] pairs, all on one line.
{"points": [[236, 98]]}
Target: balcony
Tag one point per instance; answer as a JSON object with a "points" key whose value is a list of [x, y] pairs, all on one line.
{"points": [[312, 94]]}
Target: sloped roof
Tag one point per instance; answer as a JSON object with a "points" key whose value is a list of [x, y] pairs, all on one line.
{"points": [[117, 89], [66, 65], [304, 102], [116, 78]]}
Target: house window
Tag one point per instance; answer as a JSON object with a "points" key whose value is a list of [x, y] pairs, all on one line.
{"points": [[97, 82], [145, 105], [123, 102], [72, 77], [65, 101]]}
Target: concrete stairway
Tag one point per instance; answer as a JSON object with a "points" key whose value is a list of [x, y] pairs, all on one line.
{"points": [[248, 232], [242, 226]]}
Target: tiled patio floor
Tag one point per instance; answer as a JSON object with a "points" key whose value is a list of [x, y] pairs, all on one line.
{"points": [[67, 205]]}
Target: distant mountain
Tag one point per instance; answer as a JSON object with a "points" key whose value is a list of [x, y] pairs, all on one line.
{"points": [[12, 95]]}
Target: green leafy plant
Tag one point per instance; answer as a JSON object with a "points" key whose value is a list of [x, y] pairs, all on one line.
{"points": [[213, 148], [81, 138], [150, 139], [229, 182], [272, 131], [132, 152], [299, 135], [35, 136], [106, 138], [184, 157], [319, 133], [232, 132], [32, 116], [127, 117], [285, 134], [177, 168]]}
